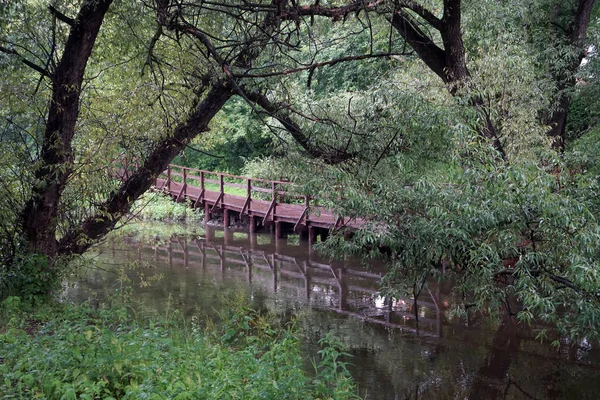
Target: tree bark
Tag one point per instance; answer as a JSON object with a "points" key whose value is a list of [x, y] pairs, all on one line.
{"points": [[577, 36], [39, 216], [119, 203]]}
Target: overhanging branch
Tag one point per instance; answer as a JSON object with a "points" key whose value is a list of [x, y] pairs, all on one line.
{"points": [[25, 61], [60, 16], [319, 64], [278, 111]]}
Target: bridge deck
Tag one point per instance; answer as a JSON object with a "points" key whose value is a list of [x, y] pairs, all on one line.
{"points": [[191, 184]]}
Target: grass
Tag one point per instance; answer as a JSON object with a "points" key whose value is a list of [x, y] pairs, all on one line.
{"points": [[157, 206], [65, 351], [213, 187]]}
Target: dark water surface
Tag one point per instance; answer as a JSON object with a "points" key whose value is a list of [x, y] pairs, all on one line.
{"points": [[401, 350]]}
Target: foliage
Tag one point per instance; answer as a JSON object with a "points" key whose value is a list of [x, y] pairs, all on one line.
{"points": [[383, 140], [584, 111], [68, 351], [161, 207], [30, 276], [237, 136]]}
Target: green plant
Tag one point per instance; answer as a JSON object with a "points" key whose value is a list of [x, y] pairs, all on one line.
{"points": [[76, 351], [30, 276]]}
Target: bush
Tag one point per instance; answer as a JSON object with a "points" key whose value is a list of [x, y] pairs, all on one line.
{"points": [[67, 351], [158, 206], [29, 276]]}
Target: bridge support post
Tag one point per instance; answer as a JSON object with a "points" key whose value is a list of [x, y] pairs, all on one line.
{"points": [[225, 217], [227, 236], [278, 230], [303, 235], [206, 212], [279, 240], [252, 224], [210, 234]]}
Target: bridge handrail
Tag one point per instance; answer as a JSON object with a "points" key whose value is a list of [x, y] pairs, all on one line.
{"points": [[275, 190], [281, 182]]}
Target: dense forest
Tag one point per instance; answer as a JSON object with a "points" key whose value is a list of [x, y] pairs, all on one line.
{"points": [[466, 133]]}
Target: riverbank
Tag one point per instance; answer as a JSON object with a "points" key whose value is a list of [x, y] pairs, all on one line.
{"points": [[59, 350]]}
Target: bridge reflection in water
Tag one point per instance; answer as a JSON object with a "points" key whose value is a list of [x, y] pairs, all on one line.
{"points": [[344, 287], [447, 357]]}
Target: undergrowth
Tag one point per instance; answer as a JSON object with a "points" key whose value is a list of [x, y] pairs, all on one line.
{"points": [[157, 206], [65, 351]]}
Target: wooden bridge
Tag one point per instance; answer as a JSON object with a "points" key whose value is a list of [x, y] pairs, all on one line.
{"points": [[265, 203]]}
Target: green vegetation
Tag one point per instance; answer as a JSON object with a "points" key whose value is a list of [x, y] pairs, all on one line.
{"points": [[463, 133], [63, 351], [156, 206]]}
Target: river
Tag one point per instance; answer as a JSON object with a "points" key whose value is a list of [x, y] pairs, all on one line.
{"points": [[400, 349]]}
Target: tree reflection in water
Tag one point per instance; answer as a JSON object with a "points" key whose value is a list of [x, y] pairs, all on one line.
{"points": [[440, 357]]}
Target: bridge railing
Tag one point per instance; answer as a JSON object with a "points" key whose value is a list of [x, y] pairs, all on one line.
{"points": [[280, 191]]}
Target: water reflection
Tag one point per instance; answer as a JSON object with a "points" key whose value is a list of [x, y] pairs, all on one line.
{"points": [[440, 357]]}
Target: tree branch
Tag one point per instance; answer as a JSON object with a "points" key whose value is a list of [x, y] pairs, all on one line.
{"points": [[25, 61], [317, 65], [119, 203], [335, 13], [60, 16], [422, 12], [276, 110], [432, 55]]}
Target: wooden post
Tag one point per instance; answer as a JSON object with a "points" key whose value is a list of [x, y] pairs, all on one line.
{"points": [[169, 178], [227, 236], [303, 235], [312, 239], [273, 188], [249, 188], [253, 240], [252, 223], [210, 234], [221, 183], [307, 281], [184, 182], [206, 212], [201, 180], [225, 218]]}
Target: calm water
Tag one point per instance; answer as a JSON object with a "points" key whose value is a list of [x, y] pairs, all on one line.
{"points": [[401, 350]]}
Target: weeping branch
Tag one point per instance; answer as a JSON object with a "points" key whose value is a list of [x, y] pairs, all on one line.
{"points": [[278, 111], [314, 66]]}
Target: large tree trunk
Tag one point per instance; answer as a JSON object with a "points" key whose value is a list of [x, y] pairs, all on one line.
{"points": [[39, 217], [110, 212], [566, 81]]}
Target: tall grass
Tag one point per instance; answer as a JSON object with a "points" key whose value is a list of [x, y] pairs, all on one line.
{"points": [[157, 206], [62, 351]]}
